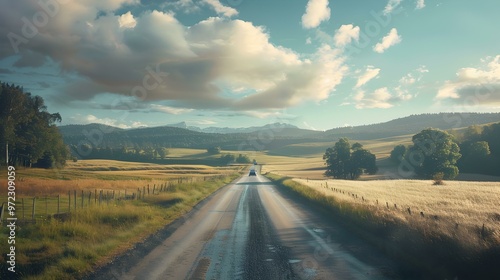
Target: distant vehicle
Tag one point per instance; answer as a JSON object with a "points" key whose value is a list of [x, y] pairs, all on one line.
{"points": [[252, 173]]}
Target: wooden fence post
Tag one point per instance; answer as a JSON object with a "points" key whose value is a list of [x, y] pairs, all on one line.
{"points": [[143, 192], [100, 197], [2, 208], [90, 194], [69, 201], [33, 209], [95, 196]]}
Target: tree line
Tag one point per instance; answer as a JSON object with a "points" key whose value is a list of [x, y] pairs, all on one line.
{"points": [[346, 161], [29, 130], [437, 153]]}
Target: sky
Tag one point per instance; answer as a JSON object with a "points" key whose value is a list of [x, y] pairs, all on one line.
{"points": [[316, 64]]}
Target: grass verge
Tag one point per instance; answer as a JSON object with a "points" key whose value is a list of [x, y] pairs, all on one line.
{"points": [[92, 236], [425, 252]]}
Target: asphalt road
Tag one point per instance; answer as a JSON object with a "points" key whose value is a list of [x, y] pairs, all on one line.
{"points": [[249, 230]]}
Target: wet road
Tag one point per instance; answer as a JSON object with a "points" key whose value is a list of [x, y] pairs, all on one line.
{"points": [[249, 230]]}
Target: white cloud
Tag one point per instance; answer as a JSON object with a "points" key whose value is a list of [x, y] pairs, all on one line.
{"points": [[380, 98], [168, 109], [475, 86], [127, 20], [88, 119], [370, 73], [420, 4], [391, 5], [203, 61], [308, 41], [345, 34], [221, 9], [316, 12], [391, 39], [408, 79]]}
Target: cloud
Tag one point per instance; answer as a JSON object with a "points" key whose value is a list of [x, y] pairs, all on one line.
{"points": [[168, 109], [381, 98], [101, 51], [369, 74], [316, 12], [88, 119], [221, 9], [391, 39], [345, 34], [420, 4], [414, 76], [127, 20], [474, 86], [391, 6]]}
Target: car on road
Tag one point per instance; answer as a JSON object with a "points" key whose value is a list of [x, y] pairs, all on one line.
{"points": [[252, 173]]}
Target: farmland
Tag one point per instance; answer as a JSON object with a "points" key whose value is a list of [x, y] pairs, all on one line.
{"points": [[54, 248]]}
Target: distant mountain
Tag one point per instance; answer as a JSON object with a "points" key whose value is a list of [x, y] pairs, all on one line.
{"points": [[266, 137], [412, 125], [80, 129], [227, 130]]}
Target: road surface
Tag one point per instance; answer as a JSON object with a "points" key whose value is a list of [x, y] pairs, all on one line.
{"points": [[249, 230]]}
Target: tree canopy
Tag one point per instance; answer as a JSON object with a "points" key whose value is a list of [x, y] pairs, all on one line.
{"points": [[434, 151], [29, 129], [344, 161]]}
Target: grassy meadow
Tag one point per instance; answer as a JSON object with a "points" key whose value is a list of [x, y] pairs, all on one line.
{"points": [[447, 230], [68, 248]]}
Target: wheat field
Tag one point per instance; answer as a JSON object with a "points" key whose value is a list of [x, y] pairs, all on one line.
{"points": [[456, 208]]}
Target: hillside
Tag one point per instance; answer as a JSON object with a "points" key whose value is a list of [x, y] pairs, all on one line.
{"points": [[412, 125], [267, 137]]}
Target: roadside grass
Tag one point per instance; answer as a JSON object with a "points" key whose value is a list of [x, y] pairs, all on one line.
{"points": [[432, 243], [92, 236]]}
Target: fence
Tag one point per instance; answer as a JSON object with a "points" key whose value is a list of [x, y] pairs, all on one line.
{"points": [[40, 208]]}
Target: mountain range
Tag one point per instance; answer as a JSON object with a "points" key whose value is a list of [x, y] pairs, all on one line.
{"points": [[263, 137]]}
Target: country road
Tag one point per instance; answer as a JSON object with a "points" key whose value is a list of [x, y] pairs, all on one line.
{"points": [[249, 230]]}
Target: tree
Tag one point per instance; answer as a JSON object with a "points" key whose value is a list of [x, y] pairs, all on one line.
{"points": [[214, 150], [162, 152], [30, 130], [398, 153], [434, 151], [337, 159], [474, 156], [343, 164], [243, 159]]}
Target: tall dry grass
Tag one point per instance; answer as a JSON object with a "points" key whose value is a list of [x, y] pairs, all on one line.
{"points": [[457, 209]]}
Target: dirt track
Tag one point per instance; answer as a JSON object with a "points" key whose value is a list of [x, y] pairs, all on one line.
{"points": [[249, 230]]}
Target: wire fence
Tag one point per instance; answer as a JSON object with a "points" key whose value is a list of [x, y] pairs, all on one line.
{"points": [[33, 209]]}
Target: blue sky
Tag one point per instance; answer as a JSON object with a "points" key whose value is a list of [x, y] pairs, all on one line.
{"points": [[316, 64]]}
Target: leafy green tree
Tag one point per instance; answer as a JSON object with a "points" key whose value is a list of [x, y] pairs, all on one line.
{"points": [[29, 129], [434, 151], [243, 159], [162, 152], [227, 159], [398, 153], [475, 155], [344, 161]]}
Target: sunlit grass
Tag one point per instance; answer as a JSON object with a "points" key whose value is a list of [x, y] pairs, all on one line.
{"points": [[56, 249]]}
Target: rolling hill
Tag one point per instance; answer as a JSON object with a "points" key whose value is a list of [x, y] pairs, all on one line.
{"points": [[267, 137]]}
